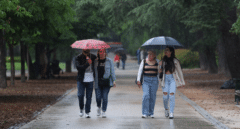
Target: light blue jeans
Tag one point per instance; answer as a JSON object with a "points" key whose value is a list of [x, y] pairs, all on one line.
{"points": [[150, 87], [170, 87]]}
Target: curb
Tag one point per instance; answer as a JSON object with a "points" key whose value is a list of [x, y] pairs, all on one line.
{"points": [[203, 112]]}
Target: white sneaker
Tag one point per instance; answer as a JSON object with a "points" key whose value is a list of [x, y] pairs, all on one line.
{"points": [[152, 116], [88, 115], [99, 111], [81, 113], [104, 115], [166, 113], [144, 116], [171, 116]]}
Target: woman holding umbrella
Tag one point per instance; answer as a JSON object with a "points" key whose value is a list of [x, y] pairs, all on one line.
{"points": [[86, 71], [104, 80], [172, 78], [149, 68]]}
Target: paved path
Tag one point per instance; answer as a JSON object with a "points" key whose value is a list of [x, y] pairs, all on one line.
{"points": [[124, 110]]}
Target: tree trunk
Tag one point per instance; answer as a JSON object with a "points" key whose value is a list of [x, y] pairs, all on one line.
{"points": [[12, 63], [203, 60], [68, 66], [31, 70], [3, 77], [22, 62], [211, 58], [222, 61], [55, 55], [231, 43]]}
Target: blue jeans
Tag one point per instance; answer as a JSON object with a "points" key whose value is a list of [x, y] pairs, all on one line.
{"points": [[102, 96], [81, 90], [150, 87], [170, 87], [139, 60], [123, 64]]}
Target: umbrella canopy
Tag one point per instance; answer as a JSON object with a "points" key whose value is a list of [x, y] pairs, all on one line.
{"points": [[161, 42], [120, 51], [90, 44]]}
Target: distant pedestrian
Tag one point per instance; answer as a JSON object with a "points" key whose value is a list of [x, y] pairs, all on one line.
{"points": [[138, 54], [142, 54], [149, 68], [85, 66], [123, 58], [172, 78], [104, 80], [74, 62], [117, 59]]}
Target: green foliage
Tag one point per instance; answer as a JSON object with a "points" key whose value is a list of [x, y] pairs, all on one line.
{"points": [[236, 26], [190, 60], [11, 7]]}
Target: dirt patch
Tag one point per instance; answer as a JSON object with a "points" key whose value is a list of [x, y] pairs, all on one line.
{"points": [[21, 102], [204, 89]]}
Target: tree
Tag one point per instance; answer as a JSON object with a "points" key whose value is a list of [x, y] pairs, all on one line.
{"points": [[9, 9]]}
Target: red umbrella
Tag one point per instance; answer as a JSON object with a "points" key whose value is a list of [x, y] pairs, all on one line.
{"points": [[90, 44]]}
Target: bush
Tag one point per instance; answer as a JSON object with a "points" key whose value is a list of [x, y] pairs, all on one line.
{"points": [[190, 60]]}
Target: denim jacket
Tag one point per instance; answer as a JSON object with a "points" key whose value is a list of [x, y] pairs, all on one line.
{"points": [[108, 73]]}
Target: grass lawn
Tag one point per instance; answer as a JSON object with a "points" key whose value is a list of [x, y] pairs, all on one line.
{"points": [[18, 66]]}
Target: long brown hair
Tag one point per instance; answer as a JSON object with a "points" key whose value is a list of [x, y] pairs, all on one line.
{"points": [[99, 51], [170, 59]]}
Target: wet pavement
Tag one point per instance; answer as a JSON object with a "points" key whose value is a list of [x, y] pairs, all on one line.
{"points": [[123, 112]]}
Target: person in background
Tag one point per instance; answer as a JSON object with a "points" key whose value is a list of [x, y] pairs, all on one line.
{"points": [[142, 54], [123, 58], [104, 80], [74, 62], [172, 78], [117, 59], [86, 73], [150, 83], [138, 54]]}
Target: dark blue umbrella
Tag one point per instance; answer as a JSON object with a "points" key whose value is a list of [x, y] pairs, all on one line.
{"points": [[161, 42], [120, 51]]}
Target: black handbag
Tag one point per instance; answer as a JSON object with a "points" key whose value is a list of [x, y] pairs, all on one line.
{"points": [[141, 79], [161, 74], [104, 82]]}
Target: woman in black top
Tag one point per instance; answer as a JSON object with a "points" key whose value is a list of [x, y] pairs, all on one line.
{"points": [[105, 79]]}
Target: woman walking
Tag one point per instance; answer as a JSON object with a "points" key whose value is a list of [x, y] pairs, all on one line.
{"points": [[149, 69], [117, 59], [172, 78], [104, 80]]}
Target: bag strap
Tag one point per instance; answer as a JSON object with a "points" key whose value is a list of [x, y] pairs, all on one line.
{"points": [[144, 61]]}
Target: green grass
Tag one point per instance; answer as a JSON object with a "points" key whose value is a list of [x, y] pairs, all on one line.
{"points": [[18, 66]]}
